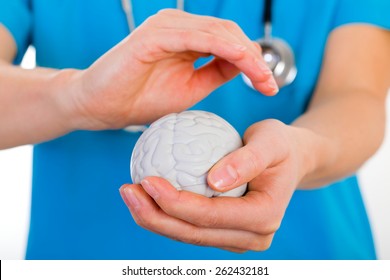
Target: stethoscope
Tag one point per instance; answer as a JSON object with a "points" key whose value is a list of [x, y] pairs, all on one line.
{"points": [[276, 52]]}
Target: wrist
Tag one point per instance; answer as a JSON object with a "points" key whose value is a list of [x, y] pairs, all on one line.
{"points": [[315, 153], [67, 91]]}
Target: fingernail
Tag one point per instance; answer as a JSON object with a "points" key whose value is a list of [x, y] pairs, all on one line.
{"points": [[264, 68], [273, 85], [223, 177], [150, 189], [132, 198]]}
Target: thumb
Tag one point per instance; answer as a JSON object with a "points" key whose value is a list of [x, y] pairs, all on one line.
{"points": [[265, 145], [237, 168], [214, 74]]}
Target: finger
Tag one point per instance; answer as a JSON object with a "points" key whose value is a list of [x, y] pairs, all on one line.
{"points": [[260, 76], [217, 26], [174, 20], [237, 168], [264, 147], [254, 210], [148, 215], [157, 44], [161, 44], [237, 54], [269, 88], [230, 31], [233, 32]]}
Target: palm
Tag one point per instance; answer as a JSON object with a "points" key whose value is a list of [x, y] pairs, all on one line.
{"points": [[170, 82], [275, 186]]}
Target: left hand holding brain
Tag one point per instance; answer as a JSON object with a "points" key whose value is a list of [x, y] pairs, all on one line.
{"points": [[270, 161]]}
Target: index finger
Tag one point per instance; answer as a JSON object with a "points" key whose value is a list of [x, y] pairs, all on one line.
{"points": [[252, 212]]}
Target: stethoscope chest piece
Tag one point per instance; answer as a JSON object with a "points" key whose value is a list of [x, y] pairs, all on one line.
{"points": [[280, 59], [276, 52]]}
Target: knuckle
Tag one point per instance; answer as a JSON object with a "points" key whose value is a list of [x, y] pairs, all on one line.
{"points": [[145, 220], [184, 39], [259, 247], [252, 130], [207, 221], [261, 243], [166, 12], [211, 220], [267, 222], [212, 41], [152, 20], [143, 223], [216, 25], [253, 158], [272, 123], [139, 221], [184, 35], [174, 206], [258, 47], [194, 237], [272, 228], [230, 25], [160, 17], [267, 226]]}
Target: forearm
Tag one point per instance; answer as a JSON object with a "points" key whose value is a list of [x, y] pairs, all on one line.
{"points": [[33, 107], [338, 135]]}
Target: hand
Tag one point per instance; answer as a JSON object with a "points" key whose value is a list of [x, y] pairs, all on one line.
{"points": [[273, 164], [151, 72]]}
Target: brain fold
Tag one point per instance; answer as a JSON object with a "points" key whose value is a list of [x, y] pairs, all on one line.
{"points": [[182, 148]]}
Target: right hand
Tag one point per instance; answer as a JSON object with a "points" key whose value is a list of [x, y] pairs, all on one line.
{"points": [[151, 72]]}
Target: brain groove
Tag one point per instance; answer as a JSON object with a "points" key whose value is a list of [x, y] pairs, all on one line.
{"points": [[182, 148]]}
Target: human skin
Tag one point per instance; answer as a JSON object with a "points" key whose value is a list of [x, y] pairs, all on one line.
{"points": [[151, 68], [341, 129], [318, 148]]}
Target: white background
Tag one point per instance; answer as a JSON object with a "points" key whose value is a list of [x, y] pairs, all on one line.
{"points": [[15, 192], [195, 269]]}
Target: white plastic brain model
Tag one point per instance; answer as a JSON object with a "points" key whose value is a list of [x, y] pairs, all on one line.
{"points": [[182, 148]]}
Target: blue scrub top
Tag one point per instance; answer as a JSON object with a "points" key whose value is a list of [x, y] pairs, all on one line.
{"points": [[77, 212]]}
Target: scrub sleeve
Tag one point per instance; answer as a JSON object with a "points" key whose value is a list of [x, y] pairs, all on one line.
{"points": [[373, 12]]}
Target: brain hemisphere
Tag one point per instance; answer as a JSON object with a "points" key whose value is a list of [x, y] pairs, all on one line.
{"points": [[182, 148]]}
